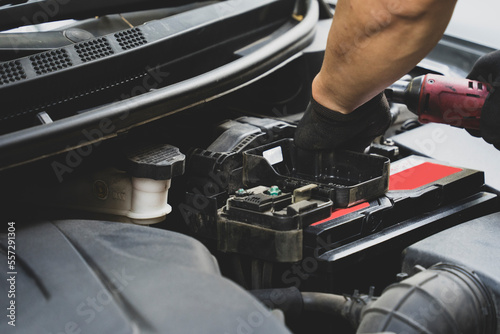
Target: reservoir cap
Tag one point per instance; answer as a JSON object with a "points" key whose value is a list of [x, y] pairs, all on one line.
{"points": [[155, 161]]}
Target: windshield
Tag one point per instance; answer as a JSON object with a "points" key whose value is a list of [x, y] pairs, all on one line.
{"points": [[477, 21]]}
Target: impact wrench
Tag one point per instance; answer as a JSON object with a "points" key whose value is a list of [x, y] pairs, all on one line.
{"points": [[439, 99]]}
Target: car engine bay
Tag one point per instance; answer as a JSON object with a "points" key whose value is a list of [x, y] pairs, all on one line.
{"points": [[151, 184]]}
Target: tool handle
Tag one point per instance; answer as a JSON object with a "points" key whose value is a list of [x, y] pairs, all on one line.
{"points": [[453, 101]]}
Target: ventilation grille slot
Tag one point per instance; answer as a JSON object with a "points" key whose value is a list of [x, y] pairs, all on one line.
{"points": [[10, 72], [94, 49], [131, 38], [50, 61]]}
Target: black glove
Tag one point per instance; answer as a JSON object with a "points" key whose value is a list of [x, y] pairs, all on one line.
{"points": [[324, 129], [487, 69]]}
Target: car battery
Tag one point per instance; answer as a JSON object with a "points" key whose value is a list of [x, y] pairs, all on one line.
{"points": [[267, 225], [424, 196], [343, 177]]}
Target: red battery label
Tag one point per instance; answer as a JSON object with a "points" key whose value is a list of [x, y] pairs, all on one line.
{"points": [[420, 175], [342, 212]]}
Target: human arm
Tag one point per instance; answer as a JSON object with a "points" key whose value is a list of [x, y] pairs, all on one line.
{"points": [[373, 43]]}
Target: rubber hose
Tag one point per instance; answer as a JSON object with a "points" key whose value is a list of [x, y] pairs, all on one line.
{"points": [[293, 302], [442, 299], [323, 302]]}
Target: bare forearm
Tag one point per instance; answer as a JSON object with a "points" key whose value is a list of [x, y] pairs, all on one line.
{"points": [[372, 43]]}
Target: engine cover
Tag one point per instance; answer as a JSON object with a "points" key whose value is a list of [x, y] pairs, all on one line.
{"points": [[100, 277]]}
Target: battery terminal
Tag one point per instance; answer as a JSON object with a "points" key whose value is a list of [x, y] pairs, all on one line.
{"points": [[241, 193], [274, 191]]}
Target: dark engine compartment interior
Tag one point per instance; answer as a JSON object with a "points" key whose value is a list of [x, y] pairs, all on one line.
{"points": [[337, 242]]}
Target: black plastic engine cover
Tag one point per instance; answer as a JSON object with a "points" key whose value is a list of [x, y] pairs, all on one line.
{"points": [[100, 277]]}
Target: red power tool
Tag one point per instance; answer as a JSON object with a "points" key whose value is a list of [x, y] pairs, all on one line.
{"points": [[440, 99]]}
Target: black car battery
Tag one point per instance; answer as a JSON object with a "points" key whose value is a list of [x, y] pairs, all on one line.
{"points": [[267, 225], [424, 196]]}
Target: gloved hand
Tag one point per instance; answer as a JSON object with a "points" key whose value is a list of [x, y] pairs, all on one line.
{"points": [[324, 129], [487, 69]]}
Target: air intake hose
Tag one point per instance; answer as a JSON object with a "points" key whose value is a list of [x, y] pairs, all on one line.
{"points": [[442, 299]]}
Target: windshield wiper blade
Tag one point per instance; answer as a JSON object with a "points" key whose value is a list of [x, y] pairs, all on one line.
{"points": [[17, 13]]}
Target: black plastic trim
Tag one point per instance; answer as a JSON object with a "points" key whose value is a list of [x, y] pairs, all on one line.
{"points": [[42, 11], [72, 132]]}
